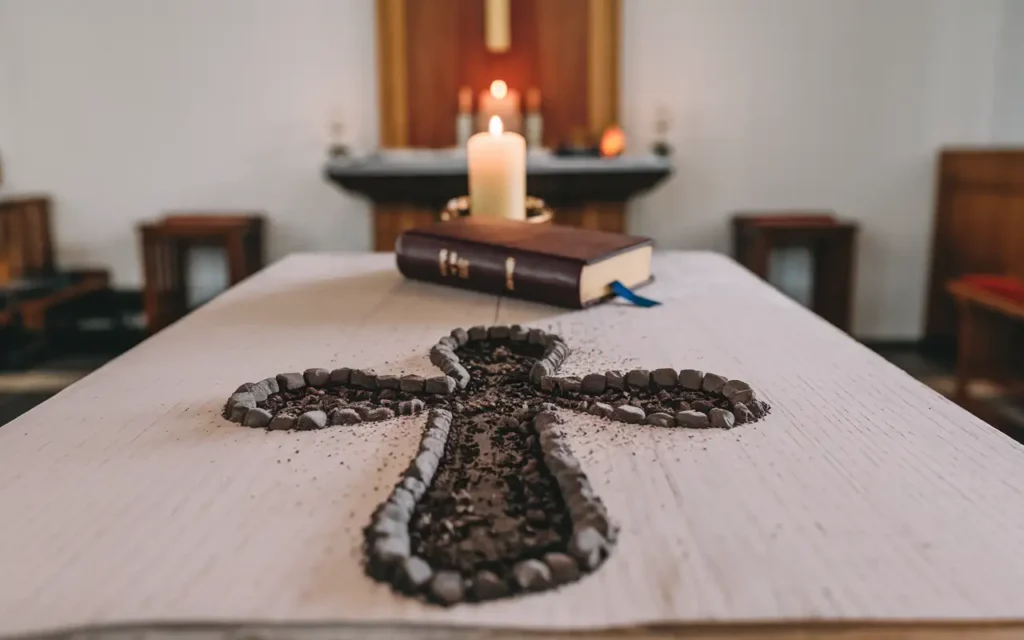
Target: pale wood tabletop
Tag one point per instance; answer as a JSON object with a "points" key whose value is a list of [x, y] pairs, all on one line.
{"points": [[865, 505]]}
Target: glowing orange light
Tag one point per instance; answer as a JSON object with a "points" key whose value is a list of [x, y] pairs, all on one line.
{"points": [[495, 126], [613, 142], [499, 89]]}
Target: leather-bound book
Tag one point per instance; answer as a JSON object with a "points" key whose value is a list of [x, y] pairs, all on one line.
{"points": [[554, 264]]}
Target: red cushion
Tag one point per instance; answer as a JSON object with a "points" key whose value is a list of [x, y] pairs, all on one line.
{"points": [[1003, 286]]}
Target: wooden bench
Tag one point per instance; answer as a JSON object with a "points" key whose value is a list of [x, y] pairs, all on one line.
{"points": [[989, 336]]}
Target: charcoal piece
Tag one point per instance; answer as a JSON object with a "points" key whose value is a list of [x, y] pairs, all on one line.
{"points": [[439, 419], [665, 378], [733, 387], [440, 385], [414, 486], [258, 390], [692, 420], [629, 414], [545, 420], [384, 527], [379, 414], [518, 333], [449, 343], [540, 370], [713, 383], [391, 549], [600, 409], [270, 384], [282, 422], [569, 384], [536, 336], [548, 383], [403, 498], [458, 373], [411, 384], [441, 356], [311, 420], [691, 379], [532, 575], [615, 380], [477, 333], [414, 573], [461, 336], [759, 408], [563, 567], [744, 396], [447, 588], [488, 586], [588, 547], [317, 377], [363, 379], [410, 407], [638, 379], [424, 466], [290, 381], [257, 418], [721, 419], [703, 406], [388, 382], [594, 383], [340, 376], [239, 405], [498, 332], [660, 419], [742, 414], [344, 417]]}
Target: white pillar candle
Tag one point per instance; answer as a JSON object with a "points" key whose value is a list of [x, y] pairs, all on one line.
{"points": [[500, 101], [497, 173]]}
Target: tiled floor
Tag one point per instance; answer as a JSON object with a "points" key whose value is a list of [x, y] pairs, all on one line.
{"points": [[22, 390], [988, 401]]}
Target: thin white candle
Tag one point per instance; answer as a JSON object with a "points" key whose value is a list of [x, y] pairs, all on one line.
{"points": [[497, 173]]}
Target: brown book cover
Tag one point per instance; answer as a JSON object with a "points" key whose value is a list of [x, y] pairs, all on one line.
{"points": [[554, 264]]}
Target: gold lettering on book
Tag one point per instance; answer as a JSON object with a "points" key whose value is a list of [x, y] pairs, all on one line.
{"points": [[510, 270], [450, 263]]}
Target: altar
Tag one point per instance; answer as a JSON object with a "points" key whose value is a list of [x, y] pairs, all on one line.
{"points": [[863, 505], [410, 187]]}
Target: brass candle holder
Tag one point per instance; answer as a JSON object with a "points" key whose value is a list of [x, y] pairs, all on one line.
{"points": [[537, 212]]}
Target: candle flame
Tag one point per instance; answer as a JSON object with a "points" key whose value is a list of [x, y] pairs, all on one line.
{"points": [[499, 89], [495, 126]]}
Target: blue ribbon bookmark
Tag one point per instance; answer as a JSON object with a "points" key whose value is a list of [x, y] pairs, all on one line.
{"points": [[628, 294]]}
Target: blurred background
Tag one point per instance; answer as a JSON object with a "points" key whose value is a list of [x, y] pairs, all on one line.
{"points": [[864, 156]]}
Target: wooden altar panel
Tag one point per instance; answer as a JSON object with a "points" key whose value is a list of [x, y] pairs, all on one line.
{"points": [[979, 226], [428, 50]]}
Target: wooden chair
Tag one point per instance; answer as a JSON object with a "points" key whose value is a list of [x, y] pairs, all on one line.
{"points": [[30, 284], [165, 247], [990, 335], [832, 243]]}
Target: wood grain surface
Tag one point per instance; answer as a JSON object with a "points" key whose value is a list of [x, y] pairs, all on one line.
{"points": [[866, 505]]}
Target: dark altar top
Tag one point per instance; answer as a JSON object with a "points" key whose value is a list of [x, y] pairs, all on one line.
{"points": [[430, 177]]}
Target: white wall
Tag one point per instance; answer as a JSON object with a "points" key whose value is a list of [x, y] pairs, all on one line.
{"points": [[1008, 123], [128, 108], [5, 91], [829, 104]]}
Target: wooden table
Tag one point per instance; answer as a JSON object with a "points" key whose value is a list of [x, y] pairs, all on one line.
{"points": [[866, 505]]}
